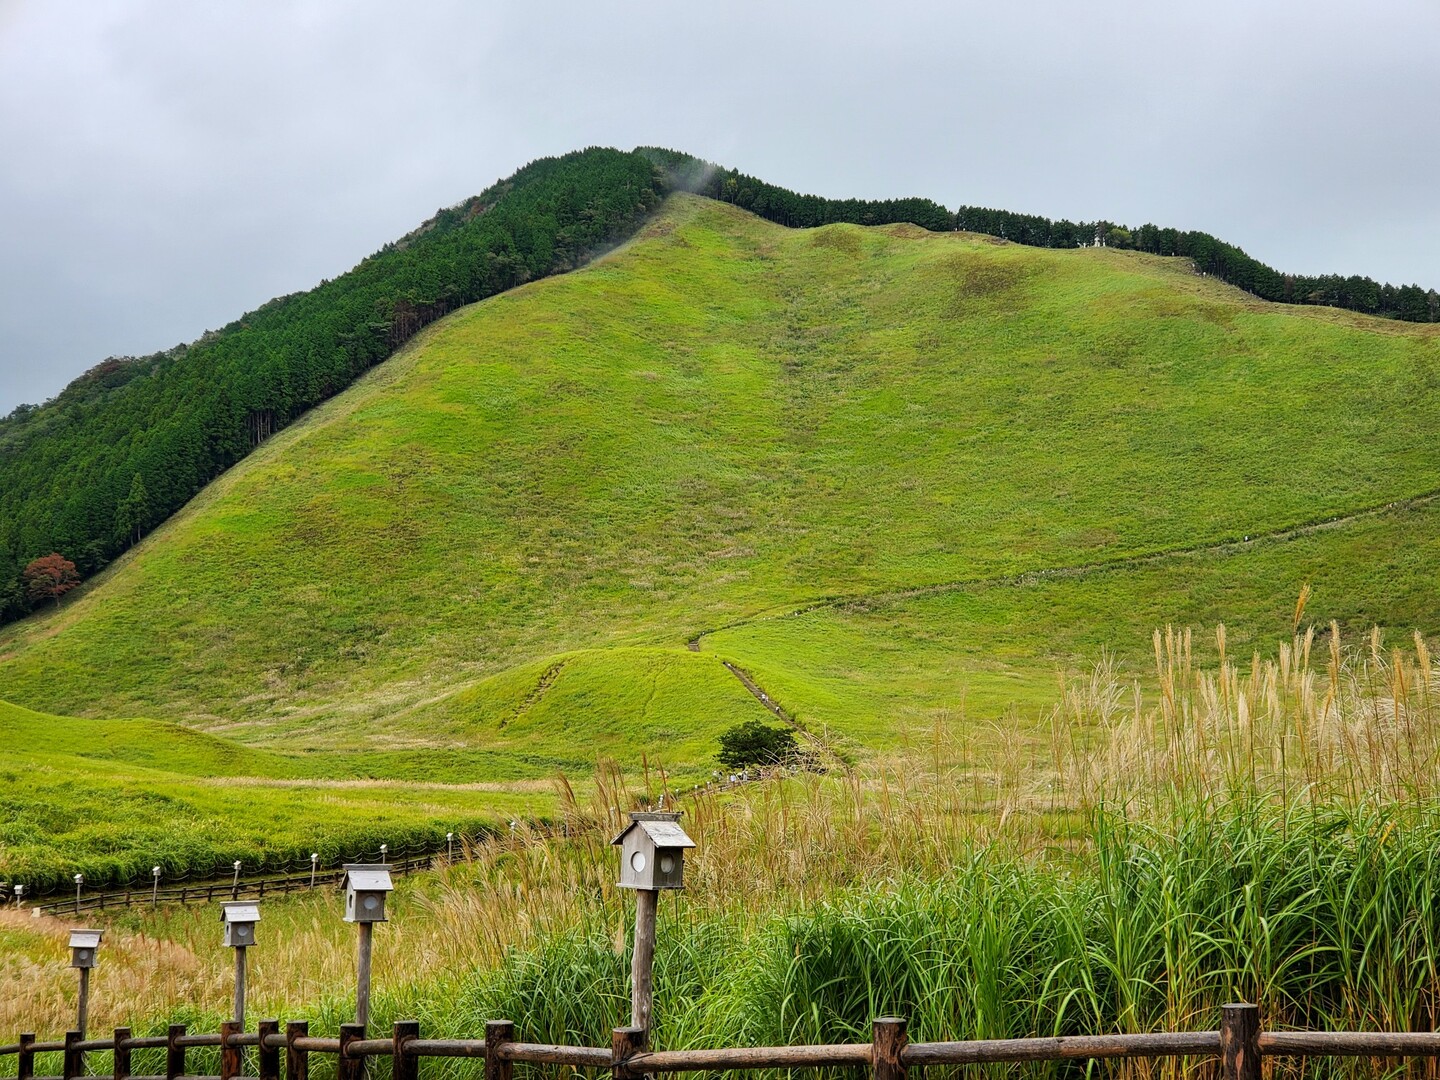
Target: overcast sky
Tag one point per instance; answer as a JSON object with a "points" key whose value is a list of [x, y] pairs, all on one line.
{"points": [[167, 166]]}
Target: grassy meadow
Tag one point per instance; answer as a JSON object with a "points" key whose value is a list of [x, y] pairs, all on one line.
{"points": [[112, 798], [868, 670], [1247, 827]]}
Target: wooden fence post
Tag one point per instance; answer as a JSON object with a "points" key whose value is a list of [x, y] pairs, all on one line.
{"points": [[887, 1037], [25, 1062], [174, 1052], [642, 959], [297, 1061], [405, 1065], [267, 1058], [350, 1068], [229, 1053], [497, 1032], [362, 972], [1240, 1042], [74, 1063], [625, 1043], [122, 1053]]}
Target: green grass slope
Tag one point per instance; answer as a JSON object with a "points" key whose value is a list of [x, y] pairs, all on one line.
{"points": [[500, 541], [111, 798], [870, 671]]}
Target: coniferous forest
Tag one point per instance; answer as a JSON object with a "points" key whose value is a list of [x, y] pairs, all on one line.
{"points": [[89, 473]]}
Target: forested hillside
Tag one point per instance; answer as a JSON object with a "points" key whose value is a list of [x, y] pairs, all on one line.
{"points": [[127, 444], [88, 474]]}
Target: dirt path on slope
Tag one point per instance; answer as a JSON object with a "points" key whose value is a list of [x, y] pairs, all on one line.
{"points": [[860, 601]]}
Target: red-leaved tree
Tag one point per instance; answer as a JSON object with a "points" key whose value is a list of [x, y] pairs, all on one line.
{"points": [[49, 578]]}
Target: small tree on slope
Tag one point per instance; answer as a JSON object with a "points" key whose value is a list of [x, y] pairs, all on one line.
{"points": [[754, 743], [49, 578]]}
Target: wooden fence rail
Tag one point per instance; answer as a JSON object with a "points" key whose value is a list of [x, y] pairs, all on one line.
{"points": [[256, 888], [210, 891], [1239, 1044]]}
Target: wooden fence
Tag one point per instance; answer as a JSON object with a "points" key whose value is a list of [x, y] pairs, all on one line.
{"points": [[1239, 1045], [210, 891]]}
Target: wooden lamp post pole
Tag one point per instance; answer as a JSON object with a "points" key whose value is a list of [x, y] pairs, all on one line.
{"points": [[240, 986], [642, 958], [82, 1017], [83, 946], [366, 886], [362, 975], [239, 919], [652, 857]]}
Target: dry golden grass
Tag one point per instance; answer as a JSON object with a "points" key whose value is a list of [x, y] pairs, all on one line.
{"points": [[1319, 720]]}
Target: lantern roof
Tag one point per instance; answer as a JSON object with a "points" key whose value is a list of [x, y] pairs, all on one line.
{"points": [[233, 912], [368, 877], [662, 827]]}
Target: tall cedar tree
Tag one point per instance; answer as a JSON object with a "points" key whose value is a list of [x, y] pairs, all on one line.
{"points": [[132, 516]]}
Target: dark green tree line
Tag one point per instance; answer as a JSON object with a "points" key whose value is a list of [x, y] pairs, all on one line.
{"points": [[1214, 257], [1210, 255], [777, 204]]}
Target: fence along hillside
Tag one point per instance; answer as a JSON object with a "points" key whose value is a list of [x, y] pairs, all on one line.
{"points": [[652, 854], [209, 892], [47, 898]]}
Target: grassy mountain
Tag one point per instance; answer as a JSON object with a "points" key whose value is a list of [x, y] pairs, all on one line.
{"points": [[119, 450], [130, 441], [892, 474], [723, 419]]}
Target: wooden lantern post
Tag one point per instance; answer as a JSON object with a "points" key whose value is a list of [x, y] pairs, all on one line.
{"points": [[239, 919], [366, 886], [652, 857]]}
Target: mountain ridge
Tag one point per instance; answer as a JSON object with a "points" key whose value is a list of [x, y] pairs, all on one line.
{"points": [[91, 471], [483, 563], [564, 366]]}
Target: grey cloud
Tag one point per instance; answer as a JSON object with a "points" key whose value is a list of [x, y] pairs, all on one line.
{"points": [[169, 165]]}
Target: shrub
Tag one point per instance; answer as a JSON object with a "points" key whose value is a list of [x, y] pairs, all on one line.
{"points": [[754, 743]]}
